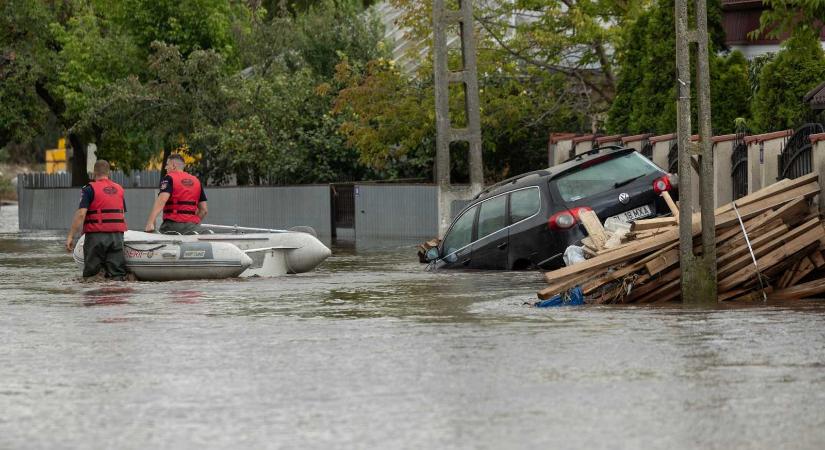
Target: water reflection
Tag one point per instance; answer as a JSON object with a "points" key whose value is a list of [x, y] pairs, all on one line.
{"points": [[186, 296], [108, 296]]}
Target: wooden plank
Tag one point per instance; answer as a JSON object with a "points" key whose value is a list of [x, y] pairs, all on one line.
{"points": [[655, 284], [756, 242], [617, 255], [753, 295], [672, 206], [663, 291], [729, 218], [817, 259], [768, 191], [557, 288], [731, 245], [731, 294], [622, 272], [762, 246], [802, 269], [647, 233], [799, 291], [595, 230], [652, 224], [788, 249], [785, 279], [736, 230]]}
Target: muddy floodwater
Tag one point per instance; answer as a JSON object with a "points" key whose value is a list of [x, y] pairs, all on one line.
{"points": [[370, 351]]}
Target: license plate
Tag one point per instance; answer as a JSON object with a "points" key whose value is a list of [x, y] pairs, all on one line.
{"points": [[635, 213]]}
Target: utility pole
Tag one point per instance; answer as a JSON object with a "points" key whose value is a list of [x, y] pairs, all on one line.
{"points": [[444, 18], [698, 279]]}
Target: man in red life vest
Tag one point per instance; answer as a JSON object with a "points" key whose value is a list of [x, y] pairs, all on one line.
{"points": [[101, 214], [181, 199]]}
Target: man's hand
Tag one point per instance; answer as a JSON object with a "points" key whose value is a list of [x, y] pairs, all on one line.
{"points": [[150, 227], [69, 244]]}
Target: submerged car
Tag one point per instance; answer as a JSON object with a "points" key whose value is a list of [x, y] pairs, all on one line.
{"points": [[529, 220]]}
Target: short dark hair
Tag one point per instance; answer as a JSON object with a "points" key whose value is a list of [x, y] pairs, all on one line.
{"points": [[102, 167]]}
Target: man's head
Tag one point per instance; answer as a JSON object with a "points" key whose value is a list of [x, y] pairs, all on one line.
{"points": [[102, 169], [174, 162]]}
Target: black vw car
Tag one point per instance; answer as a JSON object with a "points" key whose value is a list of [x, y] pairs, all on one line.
{"points": [[529, 220]]}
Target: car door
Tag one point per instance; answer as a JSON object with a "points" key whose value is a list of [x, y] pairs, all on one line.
{"points": [[530, 242], [490, 248], [456, 247]]}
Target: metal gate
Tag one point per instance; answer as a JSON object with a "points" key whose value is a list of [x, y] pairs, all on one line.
{"points": [[673, 158], [795, 159], [342, 197], [739, 167], [647, 149]]}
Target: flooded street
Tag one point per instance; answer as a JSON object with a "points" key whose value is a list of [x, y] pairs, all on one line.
{"points": [[370, 351]]}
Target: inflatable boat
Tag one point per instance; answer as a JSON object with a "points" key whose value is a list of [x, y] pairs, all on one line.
{"points": [[219, 252]]}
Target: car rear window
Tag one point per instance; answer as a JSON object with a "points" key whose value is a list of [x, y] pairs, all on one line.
{"points": [[602, 176]]}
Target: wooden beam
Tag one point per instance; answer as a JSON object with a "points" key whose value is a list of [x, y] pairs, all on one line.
{"points": [[783, 252], [800, 291], [595, 230], [672, 206]]}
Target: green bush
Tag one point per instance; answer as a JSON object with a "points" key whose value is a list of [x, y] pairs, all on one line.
{"points": [[798, 67]]}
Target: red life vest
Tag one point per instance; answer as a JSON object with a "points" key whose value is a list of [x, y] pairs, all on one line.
{"points": [[105, 214], [182, 205]]}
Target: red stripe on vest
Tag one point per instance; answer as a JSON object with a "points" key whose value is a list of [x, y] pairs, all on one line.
{"points": [[105, 213], [182, 205]]}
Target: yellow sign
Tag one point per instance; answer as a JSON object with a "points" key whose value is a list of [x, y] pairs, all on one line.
{"points": [[56, 157]]}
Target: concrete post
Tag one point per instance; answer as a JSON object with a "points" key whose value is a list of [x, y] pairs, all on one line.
{"points": [[698, 279], [445, 134]]}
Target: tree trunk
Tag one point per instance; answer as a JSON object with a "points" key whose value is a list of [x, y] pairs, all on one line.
{"points": [[79, 175]]}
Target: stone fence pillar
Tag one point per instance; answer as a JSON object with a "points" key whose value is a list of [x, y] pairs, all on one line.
{"points": [[763, 150]]}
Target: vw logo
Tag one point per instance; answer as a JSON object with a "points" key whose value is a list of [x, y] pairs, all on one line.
{"points": [[624, 198]]}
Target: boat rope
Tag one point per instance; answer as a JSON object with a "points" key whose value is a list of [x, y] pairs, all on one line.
{"points": [[753, 257], [145, 249]]}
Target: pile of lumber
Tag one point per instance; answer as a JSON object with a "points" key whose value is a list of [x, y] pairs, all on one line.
{"points": [[424, 246], [781, 222]]}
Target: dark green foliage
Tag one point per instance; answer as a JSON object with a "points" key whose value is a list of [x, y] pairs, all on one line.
{"points": [[646, 92], [795, 70], [730, 94]]}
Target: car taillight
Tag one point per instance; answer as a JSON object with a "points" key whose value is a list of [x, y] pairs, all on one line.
{"points": [[661, 184], [564, 220]]}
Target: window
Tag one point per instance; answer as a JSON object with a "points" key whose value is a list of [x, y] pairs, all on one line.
{"points": [[493, 216], [523, 204], [603, 176], [461, 234]]}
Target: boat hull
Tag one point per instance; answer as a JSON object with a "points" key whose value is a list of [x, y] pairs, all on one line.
{"points": [[161, 257]]}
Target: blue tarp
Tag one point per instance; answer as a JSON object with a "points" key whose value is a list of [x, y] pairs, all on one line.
{"points": [[573, 297]]}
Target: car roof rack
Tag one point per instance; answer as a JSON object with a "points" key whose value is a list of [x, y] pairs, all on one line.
{"points": [[594, 151], [541, 172]]}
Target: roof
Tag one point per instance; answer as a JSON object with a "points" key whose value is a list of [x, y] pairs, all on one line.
{"points": [[816, 97]]}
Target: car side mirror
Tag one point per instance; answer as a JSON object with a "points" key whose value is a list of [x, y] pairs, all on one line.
{"points": [[432, 254]]}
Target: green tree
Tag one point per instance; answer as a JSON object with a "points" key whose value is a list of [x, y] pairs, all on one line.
{"points": [[796, 69], [792, 16], [646, 98]]}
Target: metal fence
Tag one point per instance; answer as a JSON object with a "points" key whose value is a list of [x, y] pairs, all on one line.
{"points": [[739, 167], [378, 212], [795, 159], [142, 178]]}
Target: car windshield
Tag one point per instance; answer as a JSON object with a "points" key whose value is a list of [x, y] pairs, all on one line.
{"points": [[603, 176]]}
